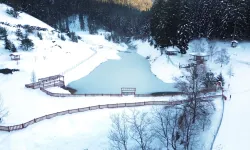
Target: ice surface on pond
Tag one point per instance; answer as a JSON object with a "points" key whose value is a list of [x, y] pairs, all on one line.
{"points": [[132, 70]]}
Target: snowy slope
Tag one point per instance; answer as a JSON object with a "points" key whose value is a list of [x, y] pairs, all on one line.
{"points": [[48, 58], [22, 19]]}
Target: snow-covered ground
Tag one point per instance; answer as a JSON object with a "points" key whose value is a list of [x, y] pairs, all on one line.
{"points": [[80, 131], [57, 90], [235, 128], [66, 132]]}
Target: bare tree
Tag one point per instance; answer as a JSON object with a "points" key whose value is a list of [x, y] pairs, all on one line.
{"points": [[222, 57], [190, 131], [119, 134], [33, 76], [193, 88], [198, 108], [140, 130], [3, 110], [186, 126], [165, 127]]}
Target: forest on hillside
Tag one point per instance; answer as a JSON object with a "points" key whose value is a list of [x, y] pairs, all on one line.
{"points": [[177, 22], [122, 19], [165, 22]]}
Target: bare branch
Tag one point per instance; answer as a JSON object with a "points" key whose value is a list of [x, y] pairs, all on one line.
{"points": [[140, 130], [118, 135]]}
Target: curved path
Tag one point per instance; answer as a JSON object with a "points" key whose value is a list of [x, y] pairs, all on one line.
{"points": [[78, 64], [108, 106], [218, 128]]}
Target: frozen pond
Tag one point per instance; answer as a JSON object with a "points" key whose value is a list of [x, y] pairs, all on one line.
{"points": [[132, 70]]}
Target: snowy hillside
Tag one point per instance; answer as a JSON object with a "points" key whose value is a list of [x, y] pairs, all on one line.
{"points": [[22, 19], [52, 56]]}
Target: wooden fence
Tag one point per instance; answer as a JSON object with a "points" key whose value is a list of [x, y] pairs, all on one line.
{"points": [[77, 95], [35, 85], [108, 106], [108, 95], [116, 95]]}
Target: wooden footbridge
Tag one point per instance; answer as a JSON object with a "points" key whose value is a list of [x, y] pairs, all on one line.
{"points": [[51, 81]]}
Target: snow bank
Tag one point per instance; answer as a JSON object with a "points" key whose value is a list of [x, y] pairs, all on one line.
{"points": [[57, 90], [162, 66]]}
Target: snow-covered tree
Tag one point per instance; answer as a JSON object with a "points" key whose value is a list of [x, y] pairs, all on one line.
{"points": [[33, 76], [212, 48], [222, 57], [9, 45], [27, 44], [19, 34], [62, 37], [12, 12], [39, 35], [234, 18], [3, 33], [200, 45]]}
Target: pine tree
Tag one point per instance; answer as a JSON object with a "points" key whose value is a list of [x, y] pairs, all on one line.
{"points": [[27, 44], [73, 37], [62, 37], [13, 48], [7, 43], [3, 33], [39, 35], [158, 22], [19, 34], [12, 12], [234, 19], [221, 79]]}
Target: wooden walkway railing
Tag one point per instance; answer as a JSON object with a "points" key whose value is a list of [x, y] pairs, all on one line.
{"points": [[114, 95], [77, 95], [110, 95], [108, 106]]}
